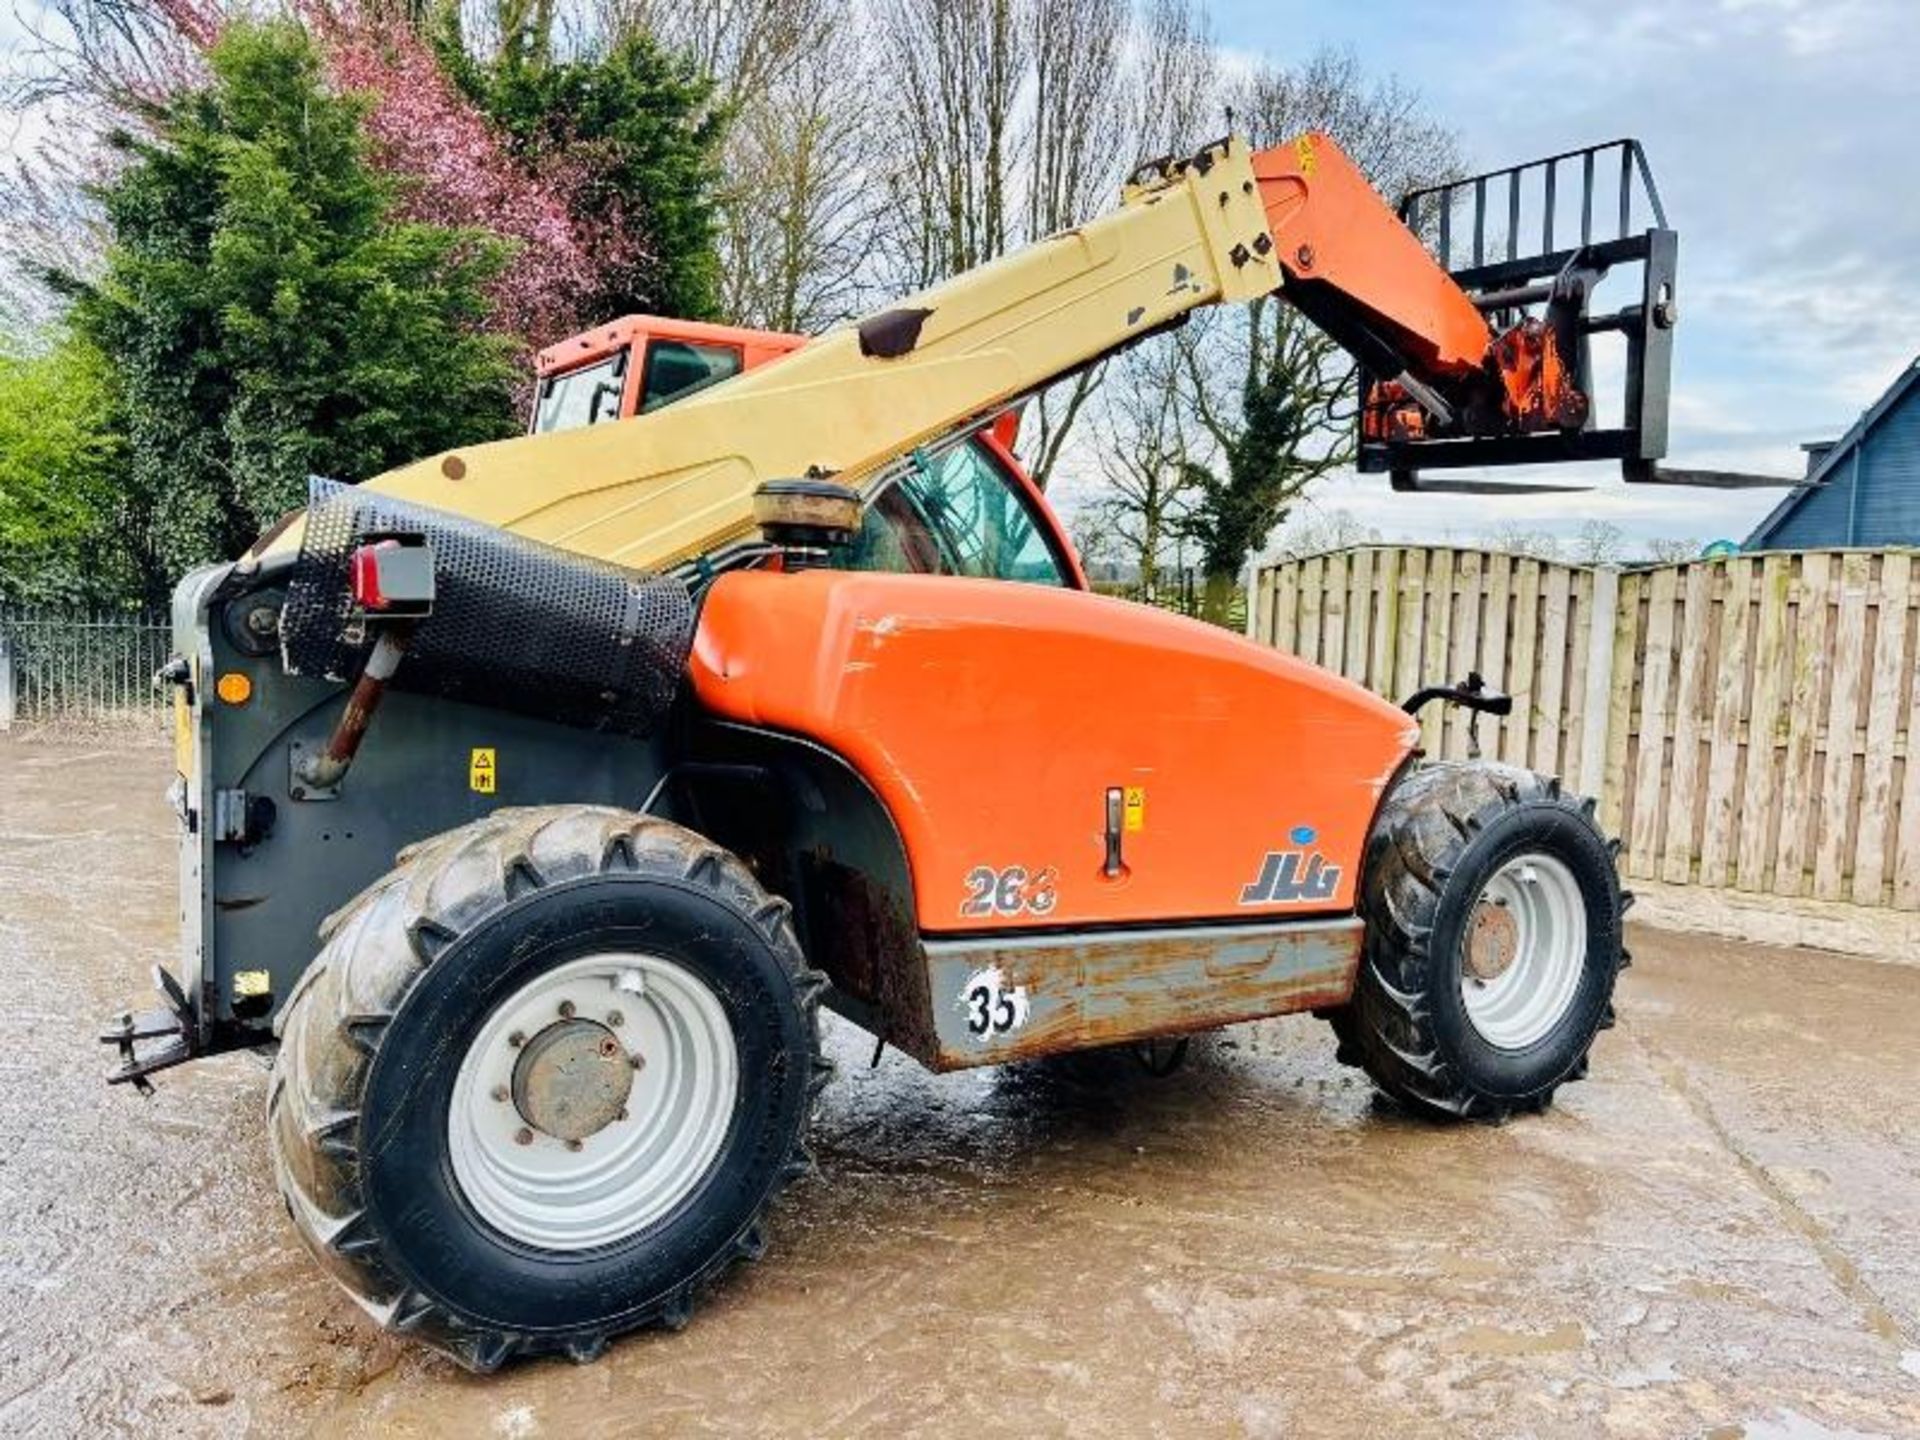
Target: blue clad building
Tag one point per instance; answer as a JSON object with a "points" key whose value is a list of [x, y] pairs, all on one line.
{"points": [[1862, 489]]}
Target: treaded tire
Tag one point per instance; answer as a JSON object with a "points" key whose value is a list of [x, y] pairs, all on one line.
{"points": [[374, 1031], [1442, 833]]}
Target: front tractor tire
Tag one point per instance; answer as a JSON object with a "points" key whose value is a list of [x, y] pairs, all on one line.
{"points": [[1493, 917], [543, 1080]]}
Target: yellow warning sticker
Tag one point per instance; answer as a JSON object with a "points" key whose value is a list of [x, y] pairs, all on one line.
{"points": [[481, 772], [1307, 154], [1136, 807]]}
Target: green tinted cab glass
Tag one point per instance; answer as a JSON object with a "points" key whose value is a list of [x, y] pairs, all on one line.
{"points": [[961, 514], [677, 368]]}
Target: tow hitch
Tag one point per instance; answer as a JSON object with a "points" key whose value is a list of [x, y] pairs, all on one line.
{"points": [[167, 1036]]}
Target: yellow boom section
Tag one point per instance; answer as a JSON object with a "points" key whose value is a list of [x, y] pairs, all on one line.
{"points": [[655, 489]]}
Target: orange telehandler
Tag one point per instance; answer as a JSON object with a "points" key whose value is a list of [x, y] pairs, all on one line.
{"points": [[782, 687]]}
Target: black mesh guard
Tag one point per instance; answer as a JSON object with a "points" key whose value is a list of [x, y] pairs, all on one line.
{"points": [[516, 625]]}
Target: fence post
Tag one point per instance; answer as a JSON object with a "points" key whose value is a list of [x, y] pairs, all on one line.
{"points": [[1602, 616], [6, 682]]}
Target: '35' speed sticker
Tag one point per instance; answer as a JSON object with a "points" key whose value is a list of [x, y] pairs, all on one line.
{"points": [[1010, 891]]}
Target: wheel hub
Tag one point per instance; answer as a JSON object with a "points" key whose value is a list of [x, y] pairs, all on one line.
{"points": [[572, 1080], [1524, 951], [593, 1100], [1493, 942]]}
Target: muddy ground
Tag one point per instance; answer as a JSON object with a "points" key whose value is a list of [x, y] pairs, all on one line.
{"points": [[1717, 1235]]}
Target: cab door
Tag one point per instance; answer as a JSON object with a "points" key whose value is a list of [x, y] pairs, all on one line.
{"points": [[965, 510]]}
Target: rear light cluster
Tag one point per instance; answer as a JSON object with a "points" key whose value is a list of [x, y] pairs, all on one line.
{"points": [[392, 577], [363, 575]]}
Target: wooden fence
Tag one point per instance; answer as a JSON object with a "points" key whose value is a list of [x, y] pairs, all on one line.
{"points": [[1745, 722]]}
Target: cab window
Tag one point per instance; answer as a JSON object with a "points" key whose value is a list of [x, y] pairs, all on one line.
{"points": [[585, 396], [677, 368], [960, 514]]}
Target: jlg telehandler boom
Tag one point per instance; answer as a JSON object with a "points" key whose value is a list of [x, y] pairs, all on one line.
{"points": [[785, 689], [1224, 225]]}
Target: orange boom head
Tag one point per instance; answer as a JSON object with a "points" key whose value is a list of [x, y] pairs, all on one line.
{"points": [[1457, 368]]}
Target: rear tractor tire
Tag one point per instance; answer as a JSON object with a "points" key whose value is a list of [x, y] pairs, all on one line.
{"points": [[543, 1080], [1493, 939]]}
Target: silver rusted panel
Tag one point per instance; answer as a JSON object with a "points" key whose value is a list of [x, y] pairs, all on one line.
{"points": [[1003, 998]]}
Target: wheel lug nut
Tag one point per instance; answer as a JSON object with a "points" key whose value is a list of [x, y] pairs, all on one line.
{"points": [[523, 1136], [573, 1144], [517, 1039], [614, 1017], [566, 1009], [639, 1061], [500, 1092], [622, 1115]]}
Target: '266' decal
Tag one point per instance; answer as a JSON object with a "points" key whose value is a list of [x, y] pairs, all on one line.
{"points": [[1009, 891]]}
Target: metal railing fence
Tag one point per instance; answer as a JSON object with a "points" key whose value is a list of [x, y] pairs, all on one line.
{"points": [[66, 668]]}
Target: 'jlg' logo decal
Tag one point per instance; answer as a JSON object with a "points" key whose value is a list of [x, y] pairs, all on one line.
{"points": [[1009, 891], [1293, 877]]}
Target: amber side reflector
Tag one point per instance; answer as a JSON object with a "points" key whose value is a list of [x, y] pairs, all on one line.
{"points": [[234, 688]]}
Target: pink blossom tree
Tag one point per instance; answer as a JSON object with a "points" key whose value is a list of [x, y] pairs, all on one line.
{"points": [[451, 165]]}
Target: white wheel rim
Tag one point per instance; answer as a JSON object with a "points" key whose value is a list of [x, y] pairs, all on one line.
{"points": [[614, 1182], [1530, 993]]}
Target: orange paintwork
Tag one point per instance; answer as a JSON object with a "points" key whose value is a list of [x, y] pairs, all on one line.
{"points": [[758, 345], [1538, 379], [992, 717], [1330, 224]]}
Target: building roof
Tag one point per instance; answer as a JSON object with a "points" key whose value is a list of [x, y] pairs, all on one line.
{"points": [[1836, 451]]}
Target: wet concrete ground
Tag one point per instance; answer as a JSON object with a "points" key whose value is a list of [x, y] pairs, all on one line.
{"points": [[1717, 1235]]}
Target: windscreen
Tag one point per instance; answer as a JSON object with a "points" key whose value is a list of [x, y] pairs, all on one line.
{"points": [[581, 397]]}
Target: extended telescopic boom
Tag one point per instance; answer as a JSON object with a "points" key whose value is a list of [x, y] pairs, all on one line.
{"points": [[1222, 225]]}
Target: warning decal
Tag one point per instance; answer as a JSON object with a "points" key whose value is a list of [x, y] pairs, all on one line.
{"points": [[481, 772]]}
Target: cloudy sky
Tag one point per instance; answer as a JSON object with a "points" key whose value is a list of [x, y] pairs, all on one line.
{"points": [[1785, 136]]}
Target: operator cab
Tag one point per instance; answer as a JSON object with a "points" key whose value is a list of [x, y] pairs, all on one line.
{"points": [[638, 363], [964, 509]]}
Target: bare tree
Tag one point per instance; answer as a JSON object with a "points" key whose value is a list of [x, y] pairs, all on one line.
{"points": [[1519, 540], [1091, 531], [744, 45], [1020, 118], [1144, 458], [1171, 90], [957, 68], [1597, 542], [1124, 87], [798, 209], [1669, 550], [1076, 48], [1275, 397], [1314, 530]]}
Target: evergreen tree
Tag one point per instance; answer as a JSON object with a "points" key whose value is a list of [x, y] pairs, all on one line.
{"points": [[638, 130], [265, 315]]}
